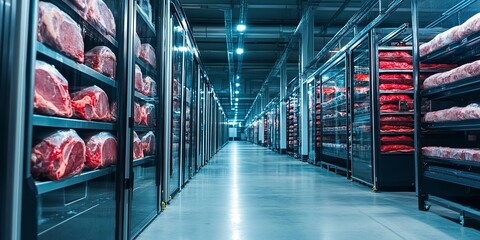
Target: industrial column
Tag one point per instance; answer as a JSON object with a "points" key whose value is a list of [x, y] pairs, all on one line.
{"points": [[283, 108], [306, 55]]}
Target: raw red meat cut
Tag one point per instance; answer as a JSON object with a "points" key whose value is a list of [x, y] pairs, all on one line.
{"points": [[137, 45], [148, 115], [469, 112], [457, 74], [138, 79], [147, 54], [137, 147], [401, 138], [51, 96], [395, 87], [100, 16], [396, 128], [81, 5], [59, 155], [457, 33], [396, 119], [389, 108], [395, 98], [113, 111], [58, 30], [91, 103], [149, 87], [101, 150], [175, 88], [465, 154], [396, 54], [395, 65], [102, 60], [137, 113], [148, 143], [384, 76], [362, 77], [396, 148]]}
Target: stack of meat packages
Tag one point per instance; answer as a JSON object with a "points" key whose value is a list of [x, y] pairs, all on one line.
{"points": [[318, 116], [292, 123], [51, 89], [63, 153], [396, 124]]}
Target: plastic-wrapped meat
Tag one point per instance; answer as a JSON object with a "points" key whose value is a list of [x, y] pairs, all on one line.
{"points": [[100, 16], [384, 76], [51, 96], [102, 60], [149, 87], [396, 119], [91, 103], [395, 98], [389, 108], [464, 154], [59, 155], [147, 54], [443, 39], [113, 111], [138, 79], [395, 128], [101, 150], [148, 115], [395, 54], [59, 31], [81, 5], [395, 87], [462, 72], [137, 113], [396, 148], [137, 45], [175, 87], [472, 25], [395, 65], [469, 112], [362, 77], [137, 147], [400, 138], [148, 143]]}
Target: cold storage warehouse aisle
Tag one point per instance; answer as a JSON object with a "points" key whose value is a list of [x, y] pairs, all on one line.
{"points": [[250, 192]]}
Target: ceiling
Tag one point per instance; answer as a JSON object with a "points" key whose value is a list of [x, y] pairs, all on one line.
{"points": [[270, 24]]}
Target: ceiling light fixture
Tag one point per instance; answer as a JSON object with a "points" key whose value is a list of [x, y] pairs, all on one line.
{"points": [[239, 51], [237, 92], [237, 84], [236, 99], [241, 27]]}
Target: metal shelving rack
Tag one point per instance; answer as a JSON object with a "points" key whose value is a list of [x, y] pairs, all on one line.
{"points": [[292, 125], [451, 183]]}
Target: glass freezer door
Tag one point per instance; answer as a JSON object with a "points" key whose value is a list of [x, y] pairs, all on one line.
{"points": [[178, 68], [311, 122], [144, 205], [361, 116]]}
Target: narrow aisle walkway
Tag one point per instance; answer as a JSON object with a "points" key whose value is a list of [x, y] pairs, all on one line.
{"points": [[248, 192]]}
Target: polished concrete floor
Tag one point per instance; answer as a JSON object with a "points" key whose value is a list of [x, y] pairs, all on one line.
{"points": [[249, 192]]}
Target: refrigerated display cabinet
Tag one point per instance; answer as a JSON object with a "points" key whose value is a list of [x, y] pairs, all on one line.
{"points": [[147, 91], [311, 122], [447, 124], [334, 121], [76, 139], [293, 134]]}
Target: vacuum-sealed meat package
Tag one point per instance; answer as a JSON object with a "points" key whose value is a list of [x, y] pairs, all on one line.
{"points": [[148, 115], [456, 74], [101, 150], [102, 60], [59, 31], [470, 112], [138, 79], [137, 113], [147, 54], [137, 45], [91, 103], [148, 143], [51, 95], [100, 16], [137, 147], [149, 87], [59, 155]]}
